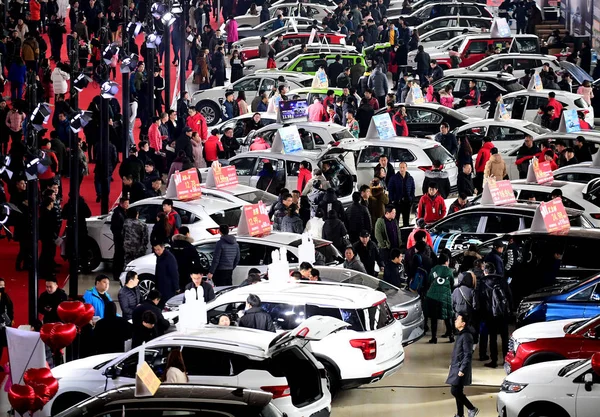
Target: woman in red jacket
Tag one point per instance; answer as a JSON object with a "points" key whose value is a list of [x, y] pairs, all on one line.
{"points": [[304, 175], [399, 120]]}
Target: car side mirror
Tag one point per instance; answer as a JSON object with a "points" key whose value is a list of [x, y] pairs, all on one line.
{"points": [[485, 69], [113, 372], [588, 379]]}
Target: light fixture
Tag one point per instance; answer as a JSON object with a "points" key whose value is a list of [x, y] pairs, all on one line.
{"points": [[109, 52], [129, 64], [81, 82], [109, 89], [134, 28], [33, 164], [4, 164], [176, 7], [158, 10], [168, 19], [40, 116], [80, 120], [153, 40], [4, 213]]}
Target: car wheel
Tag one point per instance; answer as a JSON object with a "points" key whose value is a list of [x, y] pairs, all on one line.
{"points": [[146, 284], [333, 379], [210, 111], [544, 409], [92, 255], [67, 400]]}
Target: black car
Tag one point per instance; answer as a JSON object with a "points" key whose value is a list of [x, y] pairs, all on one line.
{"points": [[424, 119], [177, 400], [434, 10], [487, 84], [475, 224]]}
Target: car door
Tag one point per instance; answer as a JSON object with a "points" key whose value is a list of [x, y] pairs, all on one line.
{"points": [[454, 232], [506, 136], [209, 366], [422, 122], [123, 372], [278, 165], [267, 85], [252, 255], [368, 159], [587, 401], [516, 106], [245, 168], [474, 52], [249, 85]]}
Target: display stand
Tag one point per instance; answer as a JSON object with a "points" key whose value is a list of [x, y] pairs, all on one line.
{"points": [[146, 381], [221, 176], [184, 185], [569, 122], [551, 217], [535, 83], [539, 172], [415, 96], [500, 28], [287, 140], [254, 220], [498, 192], [501, 113], [381, 127]]}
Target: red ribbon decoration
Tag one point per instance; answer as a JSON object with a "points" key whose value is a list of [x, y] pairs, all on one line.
{"points": [[21, 398], [70, 311], [43, 383], [58, 335]]}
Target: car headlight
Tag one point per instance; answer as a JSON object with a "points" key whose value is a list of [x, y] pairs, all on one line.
{"points": [[513, 387], [518, 342], [526, 307], [250, 67]]}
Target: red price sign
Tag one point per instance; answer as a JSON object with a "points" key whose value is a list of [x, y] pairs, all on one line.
{"points": [[225, 176], [257, 219], [555, 217], [543, 172], [501, 192], [187, 184]]}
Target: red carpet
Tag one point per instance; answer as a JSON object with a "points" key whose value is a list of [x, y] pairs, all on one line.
{"points": [[17, 281]]}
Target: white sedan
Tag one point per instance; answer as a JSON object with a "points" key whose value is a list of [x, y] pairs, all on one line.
{"points": [[203, 217], [569, 388]]}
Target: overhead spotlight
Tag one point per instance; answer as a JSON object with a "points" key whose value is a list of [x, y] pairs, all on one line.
{"points": [[36, 162], [80, 120], [158, 10], [4, 213], [40, 116], [109, 89], [168, 19], [176, 7], [109, 52], [81, 82], [4, 164], [134, 28], [153, 40], [129, 64]]}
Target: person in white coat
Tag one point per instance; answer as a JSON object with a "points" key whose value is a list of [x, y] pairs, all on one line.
{"points": [[315, 225], [59, 81], [175, 372]]}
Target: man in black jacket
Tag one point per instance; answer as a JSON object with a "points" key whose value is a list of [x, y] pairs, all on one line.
{"points": [[196, 274], [129, 295], [116, 227], [358, 217], [133, 190], [255, 317], [185, 254], [368, 253], [335, 69], [184, 144], [225, 258], [150, 304], [49, 301], [132, 166]]}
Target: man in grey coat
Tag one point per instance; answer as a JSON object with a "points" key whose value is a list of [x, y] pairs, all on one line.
{"points": [[225, 258], [379, 84], [460, 373]]}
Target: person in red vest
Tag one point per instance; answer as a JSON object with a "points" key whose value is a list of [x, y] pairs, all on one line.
{"points": [[474, 97], [483, 156], [304, 175], [432, 206], [212, 147], [582, 123], [172, 216], [197, 123], [550, 156], [555, 104]]}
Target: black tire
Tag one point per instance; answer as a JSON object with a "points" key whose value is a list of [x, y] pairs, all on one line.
{"points": [[333, 379], [542, 357], [543, 409], [146, 284], [211, 112], [93, 255], [67, 400]]}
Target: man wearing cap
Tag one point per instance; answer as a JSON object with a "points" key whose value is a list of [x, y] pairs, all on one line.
{"points": [[132, 165], [198, 281], [368, 253]]}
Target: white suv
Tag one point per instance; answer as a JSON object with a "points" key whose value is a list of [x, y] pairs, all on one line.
{"points": [[569, 388], [369, 350], [224, 356]]}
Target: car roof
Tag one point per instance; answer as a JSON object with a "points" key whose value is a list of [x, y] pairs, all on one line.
{"points": [[400, 141], [487, 35], [455, 17], [295, 156], [232, 189], [544, 93], [209, 204], [519, 207], [488, 122], [289, 74], [584, 167], [523, 55], [485, 76], [573, 232], [330, 127], [563, 185], [321, 293], [316, 90], [590, 136]]}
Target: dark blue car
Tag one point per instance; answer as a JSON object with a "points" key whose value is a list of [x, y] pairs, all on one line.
{"points": [[571, 301]]}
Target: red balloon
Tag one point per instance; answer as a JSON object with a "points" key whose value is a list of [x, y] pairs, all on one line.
{"points": [[70, 311], [43, 383], [21, 398], [86, 316], [58, 335]]}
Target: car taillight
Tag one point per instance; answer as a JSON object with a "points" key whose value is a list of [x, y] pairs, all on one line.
{"points": [[278, 391], [426, 168], [213, 231], [303, 332], [367, 346], [595, 216], [399, 315]]}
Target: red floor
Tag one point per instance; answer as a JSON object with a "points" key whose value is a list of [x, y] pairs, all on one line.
{"points": [[17, 281]]}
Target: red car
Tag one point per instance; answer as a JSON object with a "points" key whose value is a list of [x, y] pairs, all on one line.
{"points": [[332, 38], [553, 340]]}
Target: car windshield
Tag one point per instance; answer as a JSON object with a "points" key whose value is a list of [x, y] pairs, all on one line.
{"points": [[366, 280], [451, 112], [513, 86], [439, 153], [255, 196], [230, 217], [575, 326], [564, 371], [342, 134], [368, 319], [593, 194], [536, 128], [325, 252]]}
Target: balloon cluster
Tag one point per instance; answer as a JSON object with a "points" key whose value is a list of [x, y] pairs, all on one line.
{"points": [[40, 386]]}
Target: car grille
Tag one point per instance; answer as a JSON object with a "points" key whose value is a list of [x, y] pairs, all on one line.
{"points": [[511, 345]]}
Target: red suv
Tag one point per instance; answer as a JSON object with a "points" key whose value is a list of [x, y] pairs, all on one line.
{"points": [[553, 340], [332, 38]]}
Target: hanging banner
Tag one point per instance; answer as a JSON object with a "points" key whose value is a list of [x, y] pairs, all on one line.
{"points": [[551, 217], [569, 122], [184, 185], [539, 172], [221, 176], [254, 220], [498, 193]]}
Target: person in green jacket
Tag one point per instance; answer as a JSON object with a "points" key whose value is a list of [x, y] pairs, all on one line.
{"points": [[387, 233], [438, 300]]}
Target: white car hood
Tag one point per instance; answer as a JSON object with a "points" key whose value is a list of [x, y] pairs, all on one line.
{"points": [[544, 330], [79, 366], [539, 373], [254, 61]]}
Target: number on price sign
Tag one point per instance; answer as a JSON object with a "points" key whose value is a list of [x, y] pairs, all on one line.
{"points": [[187, 184], [554, 216]]}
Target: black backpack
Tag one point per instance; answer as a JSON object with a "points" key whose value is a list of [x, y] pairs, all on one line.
{"points": [[499, 302]]}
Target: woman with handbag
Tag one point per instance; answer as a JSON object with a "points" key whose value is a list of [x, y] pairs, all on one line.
{"points": [[7, 315]]}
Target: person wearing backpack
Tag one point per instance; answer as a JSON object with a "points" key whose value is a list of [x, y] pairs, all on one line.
{"points": [[438, 300], [496, 302]]}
